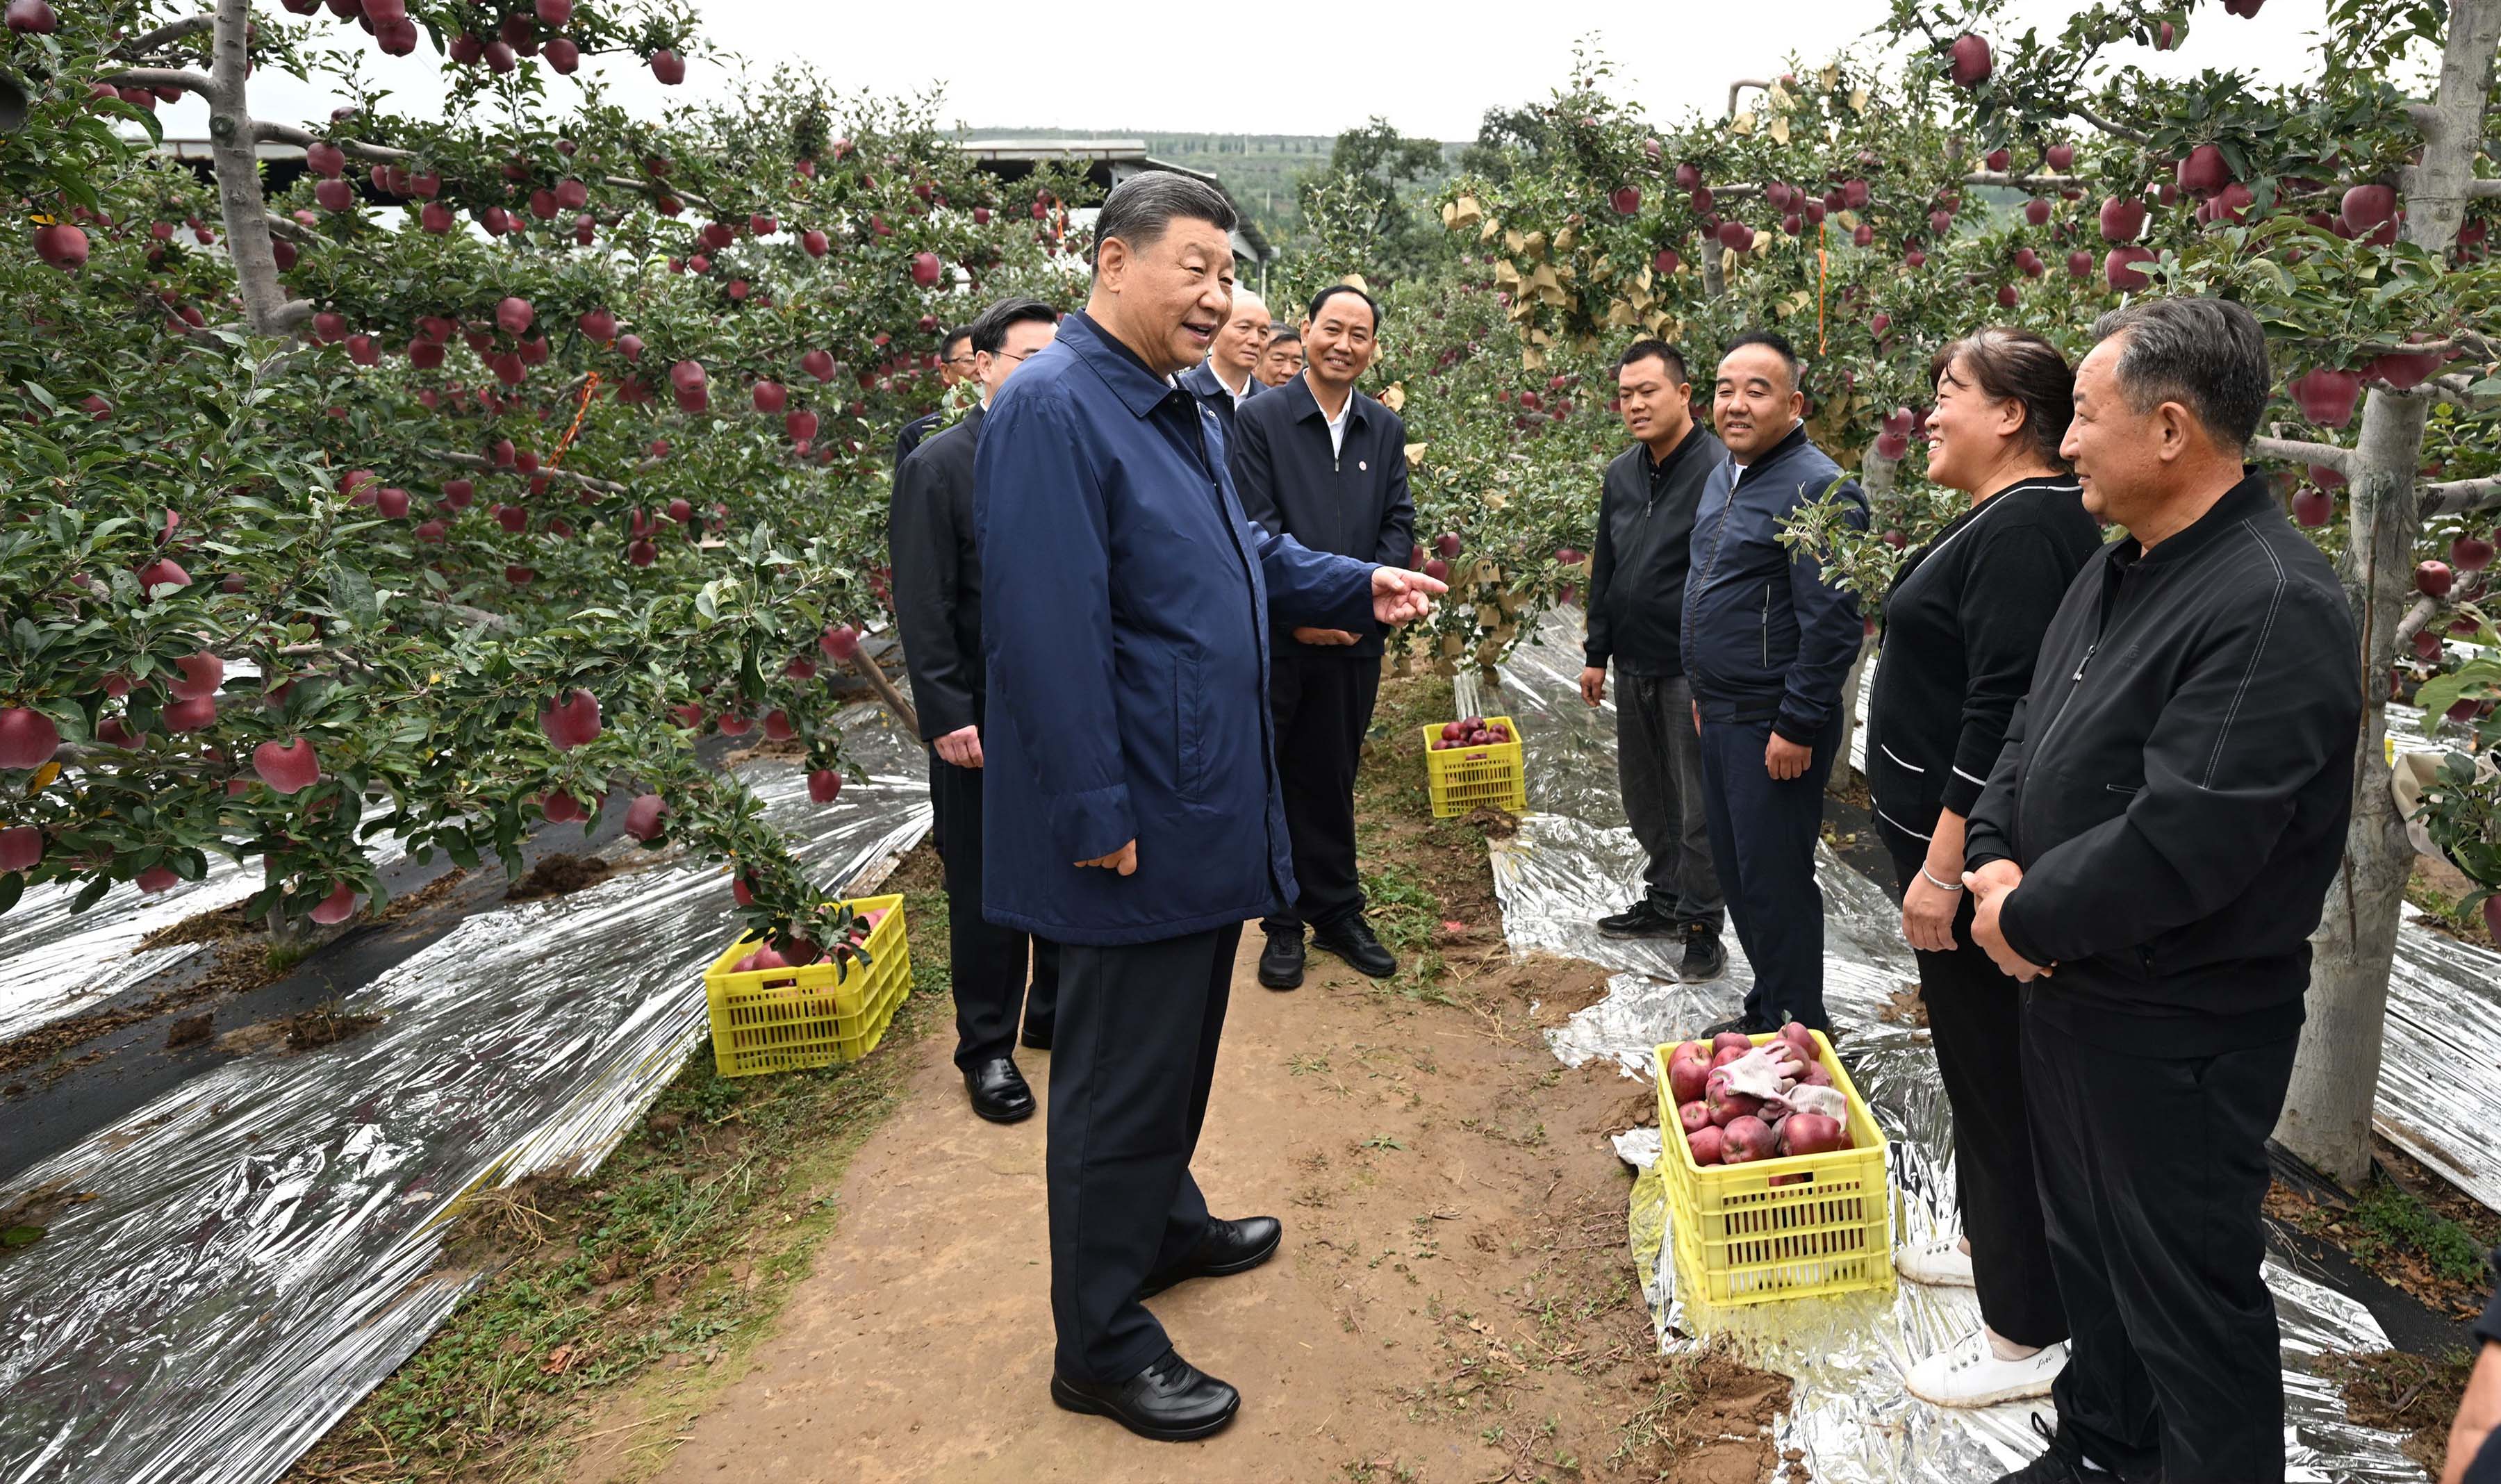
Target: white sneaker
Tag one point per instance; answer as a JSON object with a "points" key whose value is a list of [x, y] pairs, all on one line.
{"points": [[1938, 1263], [1970, 1374]]}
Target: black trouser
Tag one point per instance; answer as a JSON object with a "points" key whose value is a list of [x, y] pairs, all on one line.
{"points": [[1322, 700], [986, 961], [1658, 765], [1976, 1023], [1129, 1077], [2152, 1172], [1763, 832]]}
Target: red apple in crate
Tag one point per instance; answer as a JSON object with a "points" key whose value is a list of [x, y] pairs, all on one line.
{"points": [[1732, 1040], [1688, 1071], [1747, 1139], [1706, 1144], [1813, 1133], [1694, 1116], [1726, 1104]]}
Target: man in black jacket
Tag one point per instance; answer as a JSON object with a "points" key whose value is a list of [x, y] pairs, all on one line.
{"points": [[2150, 857], [954, 368], [1767, 640], [937, 606], [1635, 604], [1321, 462], [1224, 380]]}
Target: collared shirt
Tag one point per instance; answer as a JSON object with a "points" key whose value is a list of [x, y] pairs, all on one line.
{"points": [[1737, 476], [1240, 397], [1337, 425]]}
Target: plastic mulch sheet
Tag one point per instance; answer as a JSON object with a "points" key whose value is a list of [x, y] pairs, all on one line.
{"points": [[260, 1247], [1573, 859]]}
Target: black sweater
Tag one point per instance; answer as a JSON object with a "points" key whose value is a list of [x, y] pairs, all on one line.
{"points": [[2176, 786], [1962, 627], [1644, 548]]}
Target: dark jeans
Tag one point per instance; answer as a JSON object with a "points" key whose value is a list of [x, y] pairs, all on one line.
{"points": [[987, 962], [1322, 700], [1763, 832], [1659, 764], [2152, 1172], [1976, 1022], [1129, 1077]]}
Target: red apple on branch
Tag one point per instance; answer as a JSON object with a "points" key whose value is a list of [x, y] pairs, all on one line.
{"points": [[1970, 60], [27, 739], [21, 848], [643, 816], [2433, 579], [288, 767], [571, 720]]}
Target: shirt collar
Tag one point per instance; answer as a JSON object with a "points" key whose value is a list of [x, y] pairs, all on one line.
{"points": [[1796, 435], [2249, 497], [1686, 445], [1310, 406], [1138, 389]]}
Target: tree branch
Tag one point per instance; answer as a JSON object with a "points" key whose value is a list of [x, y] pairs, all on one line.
{"points": [[664, 187], [2420, 614], [2294, 450], [2458, 496], [2483, 189], [1740, 85], [481, 462], [886, 692], [271, 133], [2425, 116], [2024, 181], [463, 613], [2117, 131], [158, 77], [164, 36], [292, 313]]}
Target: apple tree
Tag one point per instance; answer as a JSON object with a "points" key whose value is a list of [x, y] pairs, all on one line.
{"points": [[470, 478]]}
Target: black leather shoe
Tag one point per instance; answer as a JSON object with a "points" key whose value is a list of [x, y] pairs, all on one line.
{"points": [[1281, 962], [1352, 941], [1228, 1247], [1705, 957], [998, 1090], [1171, 1400], [1741, 1023], [1038, 1037]]}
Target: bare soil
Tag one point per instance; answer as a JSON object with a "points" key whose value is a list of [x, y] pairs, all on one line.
{"points": [[557, 874], [1454, 1302]]}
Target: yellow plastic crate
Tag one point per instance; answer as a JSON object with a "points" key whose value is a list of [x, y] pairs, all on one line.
{"points": [[780, 1019], [1468, 778], [1739, 1238]]}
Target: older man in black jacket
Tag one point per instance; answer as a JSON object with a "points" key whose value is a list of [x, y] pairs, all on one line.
{"points": [[2150, 857], [1321, 462], [937, 606], [1637, 570]]}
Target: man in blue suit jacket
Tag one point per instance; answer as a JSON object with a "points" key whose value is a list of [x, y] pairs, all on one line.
{"points": [[1132, 812]]}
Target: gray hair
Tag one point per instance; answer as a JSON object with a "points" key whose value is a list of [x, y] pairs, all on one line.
{"points": [[2208, 355], [1141, 209]]}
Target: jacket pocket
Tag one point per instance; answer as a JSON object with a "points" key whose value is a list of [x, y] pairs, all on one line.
{"points": [[1189, 769]]}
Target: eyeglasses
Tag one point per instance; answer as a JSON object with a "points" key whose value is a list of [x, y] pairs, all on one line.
{"points": [[1011, 359]]}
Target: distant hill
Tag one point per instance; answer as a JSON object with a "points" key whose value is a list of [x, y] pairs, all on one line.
{"points": [[1261, 171]]}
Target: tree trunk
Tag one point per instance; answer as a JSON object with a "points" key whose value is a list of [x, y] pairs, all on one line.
{"points": [[237, 163], [2327, 1120]]}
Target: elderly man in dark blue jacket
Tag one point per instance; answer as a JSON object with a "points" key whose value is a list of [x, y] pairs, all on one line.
{"points": [[1768, 641], [1132, 809]]}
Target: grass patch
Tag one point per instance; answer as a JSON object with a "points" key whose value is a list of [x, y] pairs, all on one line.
{"points": [[2449, 909], [2388, 1215], [675, 1255]]}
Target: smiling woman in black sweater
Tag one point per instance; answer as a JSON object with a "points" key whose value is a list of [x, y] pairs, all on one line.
{"points": [[1962, 628]]}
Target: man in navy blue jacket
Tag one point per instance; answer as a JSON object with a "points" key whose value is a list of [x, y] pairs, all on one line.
{"points": [[1224, 380], [1767, 642], [1132, 811]]}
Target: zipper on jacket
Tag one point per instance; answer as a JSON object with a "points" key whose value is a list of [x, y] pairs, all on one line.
{"points": [[2033, 750], [1767, 625]]}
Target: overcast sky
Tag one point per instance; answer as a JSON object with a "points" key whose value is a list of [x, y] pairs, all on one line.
{"points": [[1314, 68]]}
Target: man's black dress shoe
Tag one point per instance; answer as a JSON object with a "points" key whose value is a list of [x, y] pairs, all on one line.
{"points": [[998, 1090], [1037, 1038], [1171, 1400], [1228, 1247], [1352, 941], [1281, 962]]}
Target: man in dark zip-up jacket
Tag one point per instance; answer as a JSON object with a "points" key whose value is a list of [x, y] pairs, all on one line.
{"points": [[2150, 856], [1318, 460], [1637, 570], [1767, 642]]}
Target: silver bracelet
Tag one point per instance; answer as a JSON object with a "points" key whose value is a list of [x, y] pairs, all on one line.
{"points": [[1942, 886]]}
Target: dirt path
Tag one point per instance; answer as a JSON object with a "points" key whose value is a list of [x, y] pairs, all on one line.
{"points": [[1454, 1301]]}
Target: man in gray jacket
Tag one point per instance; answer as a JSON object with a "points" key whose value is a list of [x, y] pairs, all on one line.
{"points": [[1768, 640]]}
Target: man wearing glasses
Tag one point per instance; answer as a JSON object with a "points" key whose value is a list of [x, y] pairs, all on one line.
{"points": [[954, 368], [938, 607]]}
